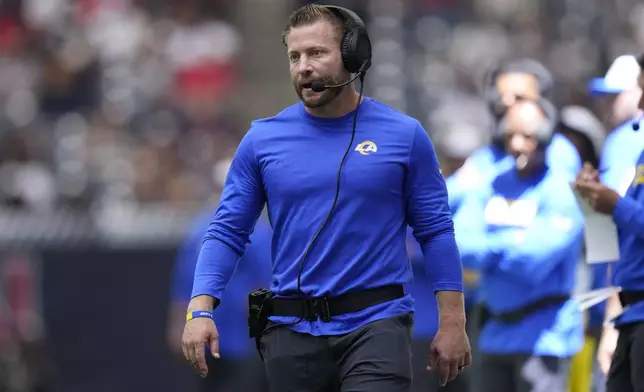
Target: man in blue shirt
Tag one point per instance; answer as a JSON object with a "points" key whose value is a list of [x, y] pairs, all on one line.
{"points": [[239, 369], [621, 347], [511, 82], [525, 238], [628, 213], [339, 317]]}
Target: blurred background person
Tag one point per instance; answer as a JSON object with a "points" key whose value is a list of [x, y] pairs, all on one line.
{"points": [[506, 84], [587, 133], [623, 144], [620, 351], [618, 346], [525, 238], [456, 138], [240, 368]]}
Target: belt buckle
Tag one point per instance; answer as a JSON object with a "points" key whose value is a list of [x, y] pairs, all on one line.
{"points": [[318, 307], [311, 311], [325, 313]]}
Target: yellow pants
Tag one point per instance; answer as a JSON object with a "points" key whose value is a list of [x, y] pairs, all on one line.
{"points": [[581, 369]]}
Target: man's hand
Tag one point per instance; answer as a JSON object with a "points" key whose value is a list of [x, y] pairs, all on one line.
{"points": [[588, 173], [197, 333], [450, 350], [606, 348], [601, 198]]}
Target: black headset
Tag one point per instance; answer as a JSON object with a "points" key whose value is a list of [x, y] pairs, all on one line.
{"points": [[525, 65], [356, 45]]}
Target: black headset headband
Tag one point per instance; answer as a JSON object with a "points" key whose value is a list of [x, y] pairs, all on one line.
{"points": [[356, 45], [524, 66]]}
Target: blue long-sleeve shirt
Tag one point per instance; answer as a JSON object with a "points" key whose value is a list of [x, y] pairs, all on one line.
{"points": [[561, 154], [426, 306], [525, 237], [629, 219], [390, 179], [253, 271], [621, 150]]}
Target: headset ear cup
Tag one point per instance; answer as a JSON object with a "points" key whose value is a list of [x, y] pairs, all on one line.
{"points": [[348, 52], [498, 132], [363, 49], [355, 51]]}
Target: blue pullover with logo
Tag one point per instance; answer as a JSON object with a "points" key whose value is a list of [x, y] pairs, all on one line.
{"points": [[525, 237], [390, 179]]}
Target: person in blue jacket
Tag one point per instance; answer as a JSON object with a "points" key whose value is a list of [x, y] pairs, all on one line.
{"points": [[506, 84], [627, 360], [617, 95], [239, 369], [426, 325], [621, 349], [525, 237]]}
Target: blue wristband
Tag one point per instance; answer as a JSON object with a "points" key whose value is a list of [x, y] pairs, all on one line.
{"points": [[199, 314]]}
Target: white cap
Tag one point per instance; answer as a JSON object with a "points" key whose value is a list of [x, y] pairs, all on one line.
{"points": [[621, 76]]}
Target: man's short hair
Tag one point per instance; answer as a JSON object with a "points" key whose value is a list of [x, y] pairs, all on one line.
{"points": [[312, 13], [527, 66]]}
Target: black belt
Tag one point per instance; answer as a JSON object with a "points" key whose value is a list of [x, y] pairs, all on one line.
{"points": [[627, 298], [327, 307], [517, 315]]}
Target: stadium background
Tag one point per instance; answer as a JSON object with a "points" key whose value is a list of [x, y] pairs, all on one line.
{"points": [[117, 118]]}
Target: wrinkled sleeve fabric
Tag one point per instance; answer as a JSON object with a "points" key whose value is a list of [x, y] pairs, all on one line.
{"points": [[429, 215], [240, 206]]}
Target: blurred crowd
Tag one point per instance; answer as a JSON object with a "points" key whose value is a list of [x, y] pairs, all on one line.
{"points": [[107, 101], [130, 100]]}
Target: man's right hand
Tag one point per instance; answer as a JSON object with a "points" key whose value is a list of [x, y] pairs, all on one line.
{"points": [[197, 333], [606, 348]]}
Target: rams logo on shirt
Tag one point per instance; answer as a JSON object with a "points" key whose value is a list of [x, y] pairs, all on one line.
{"points": [[639, 176], [503, 212], [366, 147]]}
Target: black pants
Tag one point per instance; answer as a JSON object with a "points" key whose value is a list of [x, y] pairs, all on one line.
{"points": [[425, 381], [522, 373], [234, 375], [627, 367], [374, 358]]}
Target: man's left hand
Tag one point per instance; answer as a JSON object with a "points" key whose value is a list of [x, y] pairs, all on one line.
{"points": [[600, 197], [450, 350]]}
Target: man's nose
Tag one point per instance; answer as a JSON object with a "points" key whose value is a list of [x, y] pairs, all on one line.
{"points": [[304, 66]]}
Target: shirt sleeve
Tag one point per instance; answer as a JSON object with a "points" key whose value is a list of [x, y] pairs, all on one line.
{"points": [[240, 206], [629, 216], [429, 215]]}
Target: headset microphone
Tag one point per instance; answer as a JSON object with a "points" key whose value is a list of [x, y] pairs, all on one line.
{"points": [[318, 87], [636, 122]]}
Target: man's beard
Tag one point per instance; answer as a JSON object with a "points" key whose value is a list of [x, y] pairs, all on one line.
{"points": [[326, 96]]}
